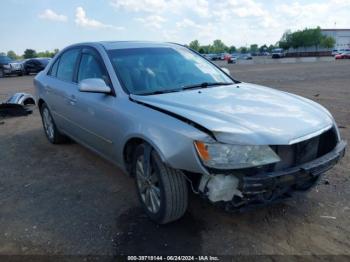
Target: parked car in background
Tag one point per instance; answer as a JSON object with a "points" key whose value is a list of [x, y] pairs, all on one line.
{"points": [[232, 59], [35, 65], [344, 55], [137, 105], [9, 67], [224, 56], [245, 57], [278, 53], [227, 56], [207, 56], [215, 57], [335, 52]]}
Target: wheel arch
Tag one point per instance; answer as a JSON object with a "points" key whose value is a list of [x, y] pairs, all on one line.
{"points": [[130, 146], [40, 103]]}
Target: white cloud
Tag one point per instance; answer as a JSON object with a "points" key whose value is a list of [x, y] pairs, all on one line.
{"points": [[244, 8], [152, 21], [325, 14], [237, 22], [187, 23], [82, 20], [200, 7], [206, 32], [48, 14], [136, 6]]}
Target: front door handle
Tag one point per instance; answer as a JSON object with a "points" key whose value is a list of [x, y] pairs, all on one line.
{"points": [[47, 88]]}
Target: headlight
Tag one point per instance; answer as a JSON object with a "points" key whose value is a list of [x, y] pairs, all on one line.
{"points": [[225, 156], [7, 66]]}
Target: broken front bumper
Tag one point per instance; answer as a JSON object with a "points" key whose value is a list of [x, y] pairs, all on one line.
{"points": [[293, 176], [267, 188]]}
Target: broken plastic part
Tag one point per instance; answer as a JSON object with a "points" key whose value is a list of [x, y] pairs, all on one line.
{"points": [[17, 105], [220, 187], [21, 99]]}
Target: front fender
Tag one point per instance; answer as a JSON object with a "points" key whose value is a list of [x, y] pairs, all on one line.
{"points": [[172, 138]]}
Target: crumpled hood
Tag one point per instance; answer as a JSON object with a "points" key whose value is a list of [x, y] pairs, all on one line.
{"points": [[246, 113]]}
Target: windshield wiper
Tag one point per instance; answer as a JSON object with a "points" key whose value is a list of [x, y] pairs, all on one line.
{"points": [[202, 85], [205, 85], [158, 92]]}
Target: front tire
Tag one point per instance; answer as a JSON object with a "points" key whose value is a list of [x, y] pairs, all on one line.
{"points": [[161, 189], [2, 74], [50, 129]]}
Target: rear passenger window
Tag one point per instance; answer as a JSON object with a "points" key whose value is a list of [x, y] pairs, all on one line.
{"points": [[66, 66], [53, 70]]}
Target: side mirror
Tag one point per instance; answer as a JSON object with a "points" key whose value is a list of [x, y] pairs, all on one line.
{"points": [[94, 85], [226, 70]]}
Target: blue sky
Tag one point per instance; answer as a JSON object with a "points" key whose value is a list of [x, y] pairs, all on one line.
{"points": [[48, 24]]}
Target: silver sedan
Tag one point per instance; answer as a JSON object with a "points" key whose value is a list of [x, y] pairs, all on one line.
{"points": [[177, 122]]}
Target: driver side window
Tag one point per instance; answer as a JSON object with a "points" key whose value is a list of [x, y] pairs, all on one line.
{"points": [[91, 68]]}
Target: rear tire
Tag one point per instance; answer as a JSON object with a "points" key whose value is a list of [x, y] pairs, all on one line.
{"points": [[50, 129], [169, 199]]}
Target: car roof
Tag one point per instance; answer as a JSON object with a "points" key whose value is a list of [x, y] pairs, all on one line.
{"points": [[109, 45]]}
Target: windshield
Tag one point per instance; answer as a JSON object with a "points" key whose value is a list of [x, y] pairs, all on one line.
{"points": [[150, 70], [5, 59]]}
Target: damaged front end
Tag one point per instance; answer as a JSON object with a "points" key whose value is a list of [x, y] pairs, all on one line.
{"points": [[298, 169]]}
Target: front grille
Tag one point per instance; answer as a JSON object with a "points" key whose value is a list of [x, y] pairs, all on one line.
{"points": [[305, 151]]}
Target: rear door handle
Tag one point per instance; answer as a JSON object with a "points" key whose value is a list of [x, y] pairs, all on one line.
{"points": [[72, 100]]}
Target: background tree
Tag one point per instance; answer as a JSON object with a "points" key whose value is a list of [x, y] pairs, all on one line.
{"points": [[205, 49], [232, 49], [285, 41], [328, 42], [46, 54], [254, 48], [271, 47], [195, 45], [263, 48], [11, 54], [219, 46], [29, 53], [243, 49], [305, 38]]}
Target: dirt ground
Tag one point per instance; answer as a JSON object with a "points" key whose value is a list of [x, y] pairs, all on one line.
{"points": [[65, 200]]}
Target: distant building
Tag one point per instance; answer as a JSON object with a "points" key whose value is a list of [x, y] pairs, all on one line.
{"points": [[341, 36]]}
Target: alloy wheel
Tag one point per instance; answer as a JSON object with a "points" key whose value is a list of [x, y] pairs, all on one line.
{"points": [[48, 124], [148, 184]]}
